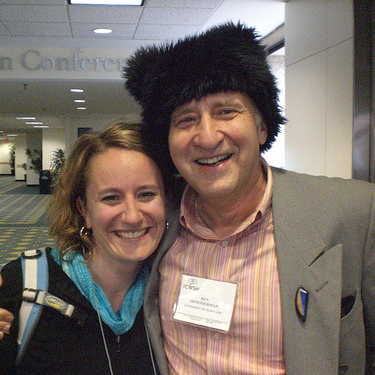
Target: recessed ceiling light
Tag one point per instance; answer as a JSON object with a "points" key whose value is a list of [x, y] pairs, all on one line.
{"points": [[107, 2], [34, 123], [12, 135], [102, 31], [79, 100], [25, 118], [76, 90], [41, 126], [81, 107]]}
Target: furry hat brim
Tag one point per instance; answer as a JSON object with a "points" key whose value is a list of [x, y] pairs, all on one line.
{"points": [[227, 57]]}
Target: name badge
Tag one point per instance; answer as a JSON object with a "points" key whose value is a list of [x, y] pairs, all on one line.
{"points": [[205, 302]]}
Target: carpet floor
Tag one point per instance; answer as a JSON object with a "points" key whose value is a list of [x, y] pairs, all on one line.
{"points": [[23, 223]]}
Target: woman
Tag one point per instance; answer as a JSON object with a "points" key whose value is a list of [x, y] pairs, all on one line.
{"points": [[107, 213]]}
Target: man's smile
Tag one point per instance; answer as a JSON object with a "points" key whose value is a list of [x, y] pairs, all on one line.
{"points": [[214, 161]]}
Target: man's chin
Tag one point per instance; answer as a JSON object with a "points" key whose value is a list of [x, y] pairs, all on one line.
{"points": [[213, 191]]}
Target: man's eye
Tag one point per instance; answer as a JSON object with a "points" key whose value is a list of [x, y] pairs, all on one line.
{"points": [[110, 198], [226, 112], [184, 122]]}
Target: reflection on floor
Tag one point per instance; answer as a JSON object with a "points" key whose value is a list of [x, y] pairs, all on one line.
{"points": [[23, 222]]}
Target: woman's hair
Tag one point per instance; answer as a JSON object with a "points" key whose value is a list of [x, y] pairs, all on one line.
{"points": [[65, 219]]}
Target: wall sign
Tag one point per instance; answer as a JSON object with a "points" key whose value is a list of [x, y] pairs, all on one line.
{"points": [[34, 60]]}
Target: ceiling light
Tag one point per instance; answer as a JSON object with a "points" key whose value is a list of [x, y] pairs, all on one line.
{"points": [[25, 118], [33, 123], [76, 90], [41, 126], [79, 100], [106, 2], [12, 135], [102, 31], [81, 107]]}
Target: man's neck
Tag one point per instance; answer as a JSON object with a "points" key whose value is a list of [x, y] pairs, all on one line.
{"points": [[224, 216]]}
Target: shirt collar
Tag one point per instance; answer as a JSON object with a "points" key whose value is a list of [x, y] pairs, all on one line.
{"points": [[190, 219]]}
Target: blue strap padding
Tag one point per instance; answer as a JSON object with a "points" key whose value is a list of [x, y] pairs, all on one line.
{"points": [[42, 284]]}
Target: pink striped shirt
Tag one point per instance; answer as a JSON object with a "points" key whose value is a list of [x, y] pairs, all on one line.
{"points": [[253, 344]]}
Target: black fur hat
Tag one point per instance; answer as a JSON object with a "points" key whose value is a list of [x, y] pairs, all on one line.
{"points": [[227, 57]]}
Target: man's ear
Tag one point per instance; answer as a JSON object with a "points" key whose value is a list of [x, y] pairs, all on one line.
{"points": [[262, 133]]}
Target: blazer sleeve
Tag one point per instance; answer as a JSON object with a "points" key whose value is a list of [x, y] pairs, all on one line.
{"points": [[368, 290], [10, 299]]}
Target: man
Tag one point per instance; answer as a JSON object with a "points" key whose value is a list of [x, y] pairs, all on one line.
{"points": [[262, 271], [272, 272]]}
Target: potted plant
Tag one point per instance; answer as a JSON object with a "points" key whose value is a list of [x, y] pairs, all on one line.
{"points": [[57, 162], [35, 159], [12, 157]]}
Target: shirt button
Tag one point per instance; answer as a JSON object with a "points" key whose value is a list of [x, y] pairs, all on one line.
{"points": [[217, 336], [225, 244]]}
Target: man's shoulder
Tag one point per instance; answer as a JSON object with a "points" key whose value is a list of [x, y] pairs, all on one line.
{"points": [[300, 186], [284, 175]]}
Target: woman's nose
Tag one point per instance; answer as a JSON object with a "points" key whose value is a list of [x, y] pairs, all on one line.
{"points": [[131, 213]]}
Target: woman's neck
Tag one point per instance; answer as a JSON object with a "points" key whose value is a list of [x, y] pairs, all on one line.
{"points": [[115, 278]]}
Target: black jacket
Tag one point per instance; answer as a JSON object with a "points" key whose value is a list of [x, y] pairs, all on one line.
{"points": [[61, 345]]}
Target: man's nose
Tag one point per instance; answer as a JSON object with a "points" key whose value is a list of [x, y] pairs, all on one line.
{"points": [[208, 134]]}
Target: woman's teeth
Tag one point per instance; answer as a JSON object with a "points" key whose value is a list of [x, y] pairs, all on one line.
{"points": [[131, 234]]}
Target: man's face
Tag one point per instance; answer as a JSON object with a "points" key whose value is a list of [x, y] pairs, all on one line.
{"points": [[214, 144]]}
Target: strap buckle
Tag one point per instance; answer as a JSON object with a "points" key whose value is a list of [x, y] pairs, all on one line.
{"points": [[47, 299], [30, 295], [31, 254]]}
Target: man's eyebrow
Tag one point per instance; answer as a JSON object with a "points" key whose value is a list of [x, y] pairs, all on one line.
{"points": [[217, 104], [228, 103]]}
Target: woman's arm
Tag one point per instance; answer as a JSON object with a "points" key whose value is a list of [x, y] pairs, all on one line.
{"points": [[6, 318]]}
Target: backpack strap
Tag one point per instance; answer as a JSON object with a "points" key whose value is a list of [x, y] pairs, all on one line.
{"points": [[35, 295], [35, 276]]}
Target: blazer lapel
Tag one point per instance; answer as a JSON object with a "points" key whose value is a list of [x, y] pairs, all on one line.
{"points": [[311, 347]]}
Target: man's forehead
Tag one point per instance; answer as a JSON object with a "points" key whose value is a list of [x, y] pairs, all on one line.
{"points": [[216, 100]]}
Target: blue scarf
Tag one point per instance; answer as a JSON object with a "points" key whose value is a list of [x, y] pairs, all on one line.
{"points": [[124, 319]]}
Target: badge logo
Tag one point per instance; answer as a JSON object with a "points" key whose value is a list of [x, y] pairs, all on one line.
{"points": [[302, 299], [192, 284]]}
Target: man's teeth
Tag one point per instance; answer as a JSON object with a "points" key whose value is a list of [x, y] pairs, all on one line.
{"points": [[132, 234], [213, 160]]}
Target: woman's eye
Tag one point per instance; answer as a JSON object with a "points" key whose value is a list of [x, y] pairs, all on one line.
{"points": [[147, 194]]}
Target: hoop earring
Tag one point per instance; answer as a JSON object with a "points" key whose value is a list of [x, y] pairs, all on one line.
{"points": [[82, 231], [86, 252], [85, 232]]}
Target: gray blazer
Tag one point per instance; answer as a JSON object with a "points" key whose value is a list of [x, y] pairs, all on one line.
{"points": [[325, 243]]}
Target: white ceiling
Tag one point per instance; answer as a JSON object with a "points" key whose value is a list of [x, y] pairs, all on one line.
{"points": [[54, 23]]}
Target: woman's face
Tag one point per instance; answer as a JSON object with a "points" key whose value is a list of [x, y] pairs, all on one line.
{"points": [[125, 205]]}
